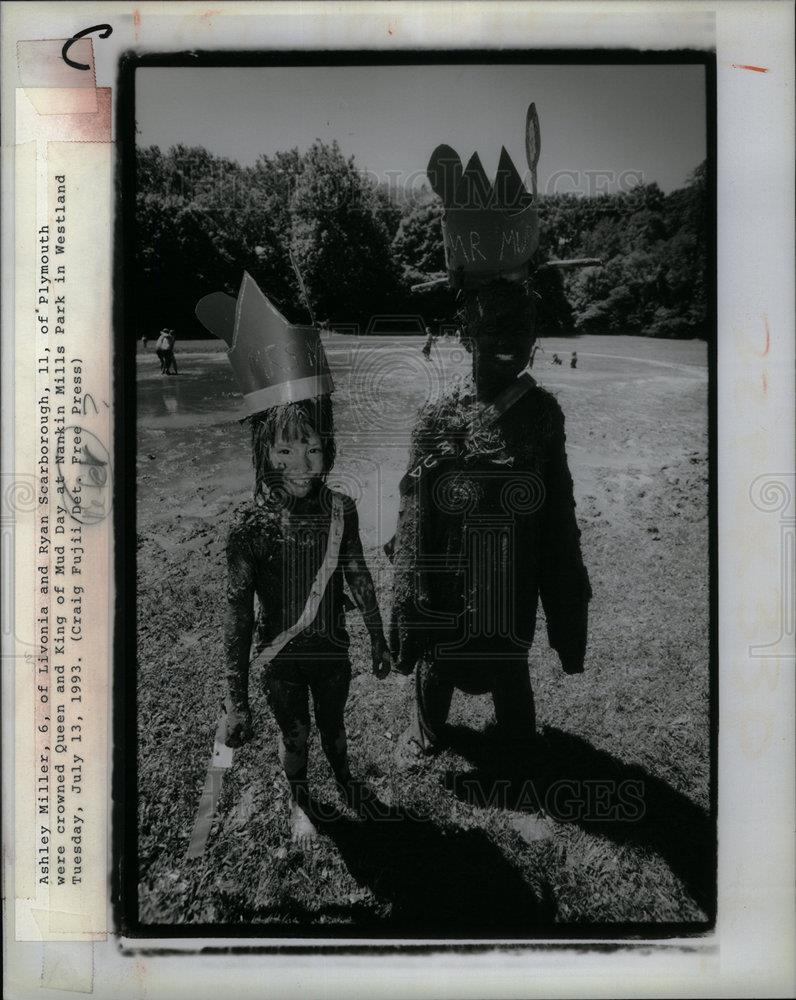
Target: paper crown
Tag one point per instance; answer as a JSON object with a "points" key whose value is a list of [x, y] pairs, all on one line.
{"points": [[274, 361], [488, 229]]}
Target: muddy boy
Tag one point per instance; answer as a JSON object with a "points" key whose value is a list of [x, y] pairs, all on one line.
{"points": [[487, 526]]}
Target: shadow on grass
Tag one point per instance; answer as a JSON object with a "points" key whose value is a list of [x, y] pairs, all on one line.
{"points": [[437, 882], [575, 782]]}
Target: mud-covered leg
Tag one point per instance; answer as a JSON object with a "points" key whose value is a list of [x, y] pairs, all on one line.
{"points": [[519, 746], [433, 696], [289, 703], [515, 713], [329, 696], [426, 732]]}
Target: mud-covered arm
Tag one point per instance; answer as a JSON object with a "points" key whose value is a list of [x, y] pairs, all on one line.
{"points": [[564, 583], [239, 619], [410, 622], [360, 583], [357, 575], [408, 633]]}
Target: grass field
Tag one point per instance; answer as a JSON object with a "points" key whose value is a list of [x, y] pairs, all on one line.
{"points": [[444, 861]]}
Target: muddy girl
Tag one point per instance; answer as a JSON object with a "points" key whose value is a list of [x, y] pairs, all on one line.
{"points": [[292, 548]]}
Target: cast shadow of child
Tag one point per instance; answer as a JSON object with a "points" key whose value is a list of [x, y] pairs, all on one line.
{"points": [[575, 782], [438, 881]]}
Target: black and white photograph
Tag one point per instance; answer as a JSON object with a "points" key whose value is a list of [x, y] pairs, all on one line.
{"points": [[419, 568]]}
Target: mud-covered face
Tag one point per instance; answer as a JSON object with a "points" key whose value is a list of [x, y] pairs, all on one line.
{"points": [[497, 355], [299, 460], [499, 330]]}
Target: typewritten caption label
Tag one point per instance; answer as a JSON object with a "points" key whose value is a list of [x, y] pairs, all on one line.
{"points": [[62, 888]]}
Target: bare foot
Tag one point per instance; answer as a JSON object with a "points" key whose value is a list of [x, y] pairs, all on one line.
{"points": [[302, 832], [532, 827]]}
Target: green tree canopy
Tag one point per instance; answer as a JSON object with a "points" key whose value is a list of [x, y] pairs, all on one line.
{"points": [[202, 219], [340, 238]]}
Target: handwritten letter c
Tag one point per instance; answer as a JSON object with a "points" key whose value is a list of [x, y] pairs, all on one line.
{"points": [[103, 29]]}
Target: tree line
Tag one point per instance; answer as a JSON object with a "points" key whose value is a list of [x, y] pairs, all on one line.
{"points": [[202, 219]]}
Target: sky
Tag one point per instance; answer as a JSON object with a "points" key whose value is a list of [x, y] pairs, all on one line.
{"points": [[602, 127]]}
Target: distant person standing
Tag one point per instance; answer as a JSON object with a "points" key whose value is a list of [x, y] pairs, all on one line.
{"points": [[573, 361], [428, 344], [144, 341], [171, 361], [162, 348]]}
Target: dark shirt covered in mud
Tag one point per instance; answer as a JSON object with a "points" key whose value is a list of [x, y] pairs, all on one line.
{"points": [[488, 530], [275, 552]]}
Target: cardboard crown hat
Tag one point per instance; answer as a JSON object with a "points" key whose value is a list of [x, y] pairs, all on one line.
{"points": [[274, 361], [488, 229]]}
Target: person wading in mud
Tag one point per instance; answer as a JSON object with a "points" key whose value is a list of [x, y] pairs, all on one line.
{"points": [[429, 343], [171, 360], [162, 348], [487, 524]]}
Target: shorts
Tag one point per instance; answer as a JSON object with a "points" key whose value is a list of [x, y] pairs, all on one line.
{"points": [[478, 676], [287, 690]]}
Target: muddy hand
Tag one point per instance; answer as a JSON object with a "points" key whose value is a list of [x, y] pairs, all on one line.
{"points": [[380, 657], [239, 727]]}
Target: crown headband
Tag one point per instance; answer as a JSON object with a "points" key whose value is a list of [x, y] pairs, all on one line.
{"points": [[274, 361], [488, 229]]}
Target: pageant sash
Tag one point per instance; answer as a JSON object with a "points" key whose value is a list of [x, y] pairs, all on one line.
{"points": [[222, 756]]}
